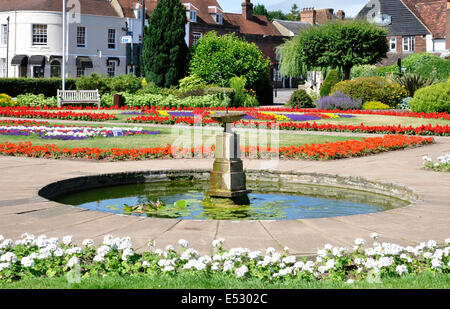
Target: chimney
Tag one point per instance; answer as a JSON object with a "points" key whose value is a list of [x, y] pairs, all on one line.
{"points": [[247, 9], [308, 15], [340, 15]]}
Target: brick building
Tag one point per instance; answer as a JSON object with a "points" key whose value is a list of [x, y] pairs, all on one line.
{"points": [[414, 26]]}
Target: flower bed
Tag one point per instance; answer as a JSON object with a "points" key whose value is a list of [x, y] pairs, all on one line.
{"points": [[40, 256], [70, 133], [64, 115], [442, 164], [325, 151]]}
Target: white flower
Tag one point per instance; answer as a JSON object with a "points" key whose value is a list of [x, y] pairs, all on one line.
{"points": [[330, 264], [228, 265], [8, 257], [124, 243], [254, 255], [99, 258], [159, 252], [349, 281], [215, 266], [217, 243], [103, 250], [241, 271], [168, 268], [286, 249], [27, 261], [107, 240], [170, 248], [289, 259], [6, 244], [127, 252], [183, 243], [67, 240], [359, 241], [328, 247], [400, 269], [73, 261], [374, 236], [299, 265], [74, 250], [5, 266], [428, 255], [145, 264], [58, 252], [447, 241], [88, 242], [151, 244], [436, 263], [270, 250], [431, 244], [322, 253]]}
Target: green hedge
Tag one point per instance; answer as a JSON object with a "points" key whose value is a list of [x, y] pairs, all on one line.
{"points": [[46, 86]]}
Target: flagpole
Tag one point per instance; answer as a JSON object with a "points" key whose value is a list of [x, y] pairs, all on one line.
{"points": [[64, 45]]}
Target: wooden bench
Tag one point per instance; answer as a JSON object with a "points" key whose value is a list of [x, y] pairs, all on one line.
{"points": [[78, 96]]}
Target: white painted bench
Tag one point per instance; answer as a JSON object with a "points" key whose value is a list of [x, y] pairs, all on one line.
{"points": [[78, 96]]}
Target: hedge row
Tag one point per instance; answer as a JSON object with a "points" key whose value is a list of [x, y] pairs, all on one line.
{"points": [[46, 86]]}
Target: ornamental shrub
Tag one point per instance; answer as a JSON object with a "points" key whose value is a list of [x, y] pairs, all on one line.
{"points": [[338, 100], [217, 59], [191, 82], [300, 99], [92, 82], [375, 105], [331, 80], [365, 70], [46, 86], [33, 100], [435, 98], [123, 83], [412, 82], [6, 100], [427, 65], [372, 89]]}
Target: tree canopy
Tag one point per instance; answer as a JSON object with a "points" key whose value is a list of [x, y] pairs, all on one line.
{"points": [[338, 44], [164, 55]]}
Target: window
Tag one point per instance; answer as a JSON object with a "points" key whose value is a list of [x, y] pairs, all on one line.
{"points": [[80, 71], [38, 72], [4, 35], [219, 19], [111, 38], [112, 65], [39, 34], [195, 37], [81, 36], [193, 16], [55, 68], [393, 45], [409, 44]]}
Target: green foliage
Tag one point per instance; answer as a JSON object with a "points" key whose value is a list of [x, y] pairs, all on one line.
{"points": [[160, 100], [413, 82], [388, 70], [300, 99], [238, 84], [260, 9], [331, 79], [92, 82], [375, 105], [434, 98], [46, 86], [404, 103], [217, 59], [36, 100], [191, 82], [124, 82], [427, 65], [6, 100], [339, 44], [372, 89], [164, 55], [365, 70]]}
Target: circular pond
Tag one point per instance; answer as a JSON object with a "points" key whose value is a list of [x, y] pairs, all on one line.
{"points": [[185, 199]]}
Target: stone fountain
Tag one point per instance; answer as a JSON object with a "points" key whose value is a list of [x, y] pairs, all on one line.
{"points": [[227, 180]]}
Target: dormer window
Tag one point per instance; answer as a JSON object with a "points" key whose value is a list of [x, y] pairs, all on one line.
{"points": [[193, 16], [219, 18], [216, 14], [191, 12]]}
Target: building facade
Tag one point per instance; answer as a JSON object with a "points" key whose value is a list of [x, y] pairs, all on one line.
{"points": [[32, 38], [414, 26]]}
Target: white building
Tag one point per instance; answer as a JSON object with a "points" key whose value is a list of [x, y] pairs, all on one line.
{"points": [[94, 29]]}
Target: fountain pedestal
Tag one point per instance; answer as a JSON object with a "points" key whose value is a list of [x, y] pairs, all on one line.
{"points": [[227, 178]]}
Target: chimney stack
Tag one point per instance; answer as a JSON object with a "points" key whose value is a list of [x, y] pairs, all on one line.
{"points": [[308, 15], [247, 9]]}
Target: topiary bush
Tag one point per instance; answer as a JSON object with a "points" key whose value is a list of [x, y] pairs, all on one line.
{"points": [[338, 100], [331, 79], [375, 105], [372, 89], [300, 99], [434, 98]]}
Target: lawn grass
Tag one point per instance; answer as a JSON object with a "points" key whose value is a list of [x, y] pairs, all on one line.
{"points": [[202, 281], [183, 137]]}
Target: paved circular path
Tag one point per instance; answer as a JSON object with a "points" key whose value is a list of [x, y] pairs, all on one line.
{"points": [[22, 210]]}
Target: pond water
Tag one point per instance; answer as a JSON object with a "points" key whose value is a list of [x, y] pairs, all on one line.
{"points": [[268, 201]]}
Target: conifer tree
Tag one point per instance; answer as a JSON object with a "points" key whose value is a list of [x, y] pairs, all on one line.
{"points": [[164, 54]]}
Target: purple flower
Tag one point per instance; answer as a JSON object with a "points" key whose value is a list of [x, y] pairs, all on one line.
{"points": [[301, 117], [338, 100]]}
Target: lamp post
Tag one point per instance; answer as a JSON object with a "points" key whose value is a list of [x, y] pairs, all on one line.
{"points": [[64, 45], [7, 47]]}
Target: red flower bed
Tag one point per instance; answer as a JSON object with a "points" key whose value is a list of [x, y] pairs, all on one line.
{"points": [[65, 115], [327, 151]]}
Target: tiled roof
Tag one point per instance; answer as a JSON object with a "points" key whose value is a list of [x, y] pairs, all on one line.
{"points": [[255, 25], [293, 26], [404, 22], [433, 13], [94, 7]]}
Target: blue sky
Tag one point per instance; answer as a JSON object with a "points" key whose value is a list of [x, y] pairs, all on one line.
{"points": [[351, 7]]}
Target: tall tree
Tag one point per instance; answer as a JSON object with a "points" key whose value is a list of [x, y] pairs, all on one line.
{"points": [[340, 44], [260, 9], [165, 53]]}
